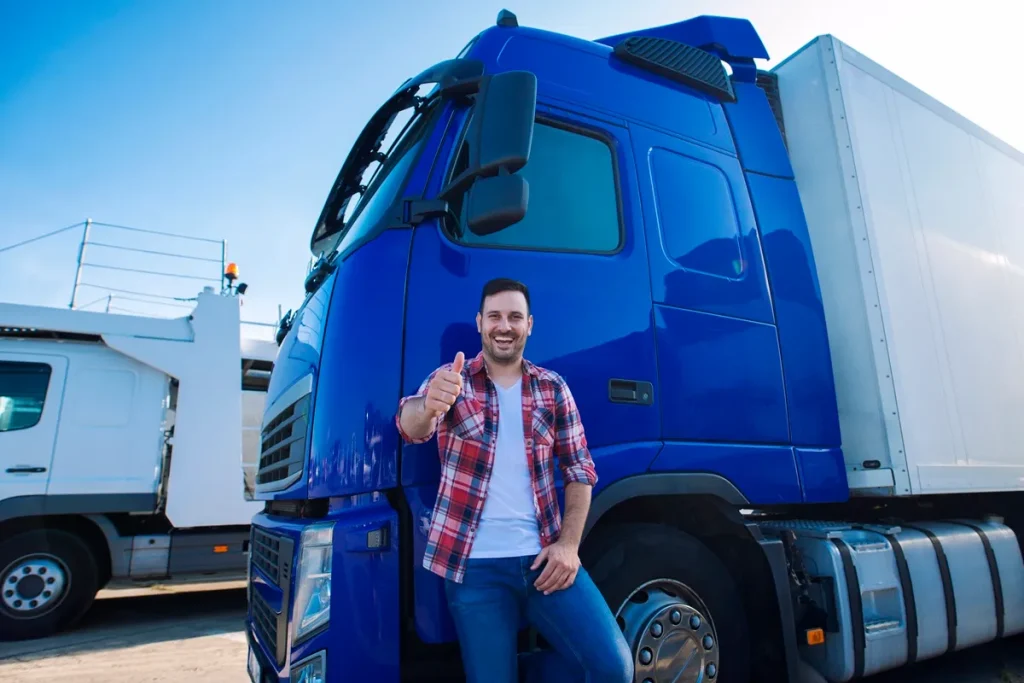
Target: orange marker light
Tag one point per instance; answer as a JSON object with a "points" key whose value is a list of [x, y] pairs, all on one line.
{"points": [[231, 271], [220, 548], [815, 636]]}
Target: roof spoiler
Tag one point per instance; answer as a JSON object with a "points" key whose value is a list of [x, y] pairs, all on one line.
{"points": [[733, 40]]}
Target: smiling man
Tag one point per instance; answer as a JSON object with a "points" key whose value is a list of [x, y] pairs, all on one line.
{"points": [[496, 535]]}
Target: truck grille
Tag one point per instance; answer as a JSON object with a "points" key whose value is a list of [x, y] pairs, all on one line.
{"points": [[272, 554], [283, 447], [265, 623]]}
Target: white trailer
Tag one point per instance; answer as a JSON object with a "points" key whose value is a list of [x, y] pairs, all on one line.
{"points": [[917, 224], [123, 442]]}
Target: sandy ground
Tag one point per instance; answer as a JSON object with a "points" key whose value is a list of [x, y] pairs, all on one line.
{"points": [[195, 633], [145, 635]]}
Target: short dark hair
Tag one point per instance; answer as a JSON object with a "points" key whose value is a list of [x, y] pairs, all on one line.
{"points": [[504, 284]]}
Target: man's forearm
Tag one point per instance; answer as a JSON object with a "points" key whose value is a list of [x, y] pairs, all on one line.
{"points": [[577, 506], [417, 421]]}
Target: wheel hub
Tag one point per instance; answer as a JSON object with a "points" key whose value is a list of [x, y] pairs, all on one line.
{"points": [[672, 639], [33, 584]]}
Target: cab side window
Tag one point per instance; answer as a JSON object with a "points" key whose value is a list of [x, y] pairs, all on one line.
{"points": [[574, 200], [23, 389]]}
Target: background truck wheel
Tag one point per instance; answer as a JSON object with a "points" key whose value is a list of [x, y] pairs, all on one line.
{"points": [[48, 580], [676, 602]]}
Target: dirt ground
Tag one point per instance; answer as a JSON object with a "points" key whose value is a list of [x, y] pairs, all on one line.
{"points": [[149, 636], [187, 633]]}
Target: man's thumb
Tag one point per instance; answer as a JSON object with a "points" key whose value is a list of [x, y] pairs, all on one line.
{"points": [[460, 360]]}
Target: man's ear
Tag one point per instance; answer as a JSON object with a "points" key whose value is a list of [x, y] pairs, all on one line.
{"points": [[479, 319], [529, 325]]}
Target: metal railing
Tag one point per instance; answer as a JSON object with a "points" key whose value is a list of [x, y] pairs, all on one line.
{"points": [[129, 257], [217, 257], [88, 245]]}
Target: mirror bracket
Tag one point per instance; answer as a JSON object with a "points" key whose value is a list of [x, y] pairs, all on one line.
{"points": [[415, 211]]}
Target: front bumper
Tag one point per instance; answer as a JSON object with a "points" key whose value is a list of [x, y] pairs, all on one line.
{"points": [[310, 669], [257, 664], [362, 636]]}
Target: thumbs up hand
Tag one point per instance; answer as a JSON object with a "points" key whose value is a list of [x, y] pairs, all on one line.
{"points": [[445, 387]]}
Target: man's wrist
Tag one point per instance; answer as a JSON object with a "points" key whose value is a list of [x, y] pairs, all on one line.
{"points": [[416, 409], [415, 405], [414, 421], [568, 541]]}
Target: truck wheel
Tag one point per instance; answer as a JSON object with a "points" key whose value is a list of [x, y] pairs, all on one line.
{"points": [[675, 601], [48, 580]]}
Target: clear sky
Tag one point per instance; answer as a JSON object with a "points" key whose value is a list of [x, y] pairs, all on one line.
{"points": [[229, 119]]}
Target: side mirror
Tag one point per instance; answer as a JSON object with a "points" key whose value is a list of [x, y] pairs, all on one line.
{"points": [[499, 140], [493, 204], [502, 132]]}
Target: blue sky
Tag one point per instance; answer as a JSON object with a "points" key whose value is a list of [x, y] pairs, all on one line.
{"points": [[229, 119]]}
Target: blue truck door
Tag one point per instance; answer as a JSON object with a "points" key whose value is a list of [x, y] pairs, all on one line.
{"points": [[722, 395], [581, 250]]}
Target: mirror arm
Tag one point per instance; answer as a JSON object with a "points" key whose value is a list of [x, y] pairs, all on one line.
{"points": [[457, 186], [464, 181], [418, 210], [462, 88]]}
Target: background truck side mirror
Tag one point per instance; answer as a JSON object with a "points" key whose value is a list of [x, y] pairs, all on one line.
{"points": [[500, 139]]}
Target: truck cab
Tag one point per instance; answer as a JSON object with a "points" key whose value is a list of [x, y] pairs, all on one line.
{"points": [[640, 185]]}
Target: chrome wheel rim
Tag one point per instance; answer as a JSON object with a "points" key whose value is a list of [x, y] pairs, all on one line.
{"points": [[31, 586], [670, 633]]}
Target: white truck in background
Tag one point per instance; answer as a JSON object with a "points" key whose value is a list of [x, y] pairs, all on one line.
{"points": [[121, 444]]}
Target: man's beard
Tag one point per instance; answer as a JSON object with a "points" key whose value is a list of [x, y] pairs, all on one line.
{"points": [[504, 356]]}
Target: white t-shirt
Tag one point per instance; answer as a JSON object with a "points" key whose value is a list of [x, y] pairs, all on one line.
{"points": [[508, 522]]}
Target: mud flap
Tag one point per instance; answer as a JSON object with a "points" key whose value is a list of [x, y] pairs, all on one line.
{"points": [[775, 554]]}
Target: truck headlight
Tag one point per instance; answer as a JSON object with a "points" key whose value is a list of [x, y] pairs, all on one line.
{"points": [[312, 606], [310, 670]]}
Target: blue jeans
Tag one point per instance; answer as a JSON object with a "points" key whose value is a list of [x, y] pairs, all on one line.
{"points": [[490, 603]]}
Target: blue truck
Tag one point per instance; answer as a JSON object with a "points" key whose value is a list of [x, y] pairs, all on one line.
{"points": [[787, 303]]}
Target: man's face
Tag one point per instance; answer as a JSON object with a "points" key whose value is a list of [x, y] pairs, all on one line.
{"points": [[504, 324]]}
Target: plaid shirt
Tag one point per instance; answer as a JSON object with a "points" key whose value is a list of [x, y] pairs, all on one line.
{"points": [[466, 437]]}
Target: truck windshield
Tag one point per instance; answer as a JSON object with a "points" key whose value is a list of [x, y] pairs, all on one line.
{"points": [[376, 175], [382, 179], [386, 180]]}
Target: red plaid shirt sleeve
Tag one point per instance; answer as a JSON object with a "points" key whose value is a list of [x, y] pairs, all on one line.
{"points": [[571, 450], [422, 391]]}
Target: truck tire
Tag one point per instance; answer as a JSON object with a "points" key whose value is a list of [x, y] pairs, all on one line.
{"points": [[673, 598], [48, 580]]}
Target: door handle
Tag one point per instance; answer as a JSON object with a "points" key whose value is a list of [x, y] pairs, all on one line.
{"points": [[630, 391], [25, 469]]}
